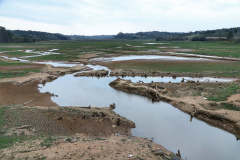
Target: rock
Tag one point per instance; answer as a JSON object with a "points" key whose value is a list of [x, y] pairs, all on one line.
{"points": [[159, 152], [59, 118], [114, 126], [129, 155]]}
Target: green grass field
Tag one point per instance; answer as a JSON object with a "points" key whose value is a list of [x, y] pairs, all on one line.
{"points": [[69, 50], [18, 73], [18, 54], [224, 69], [223, 49], [10, 63]]}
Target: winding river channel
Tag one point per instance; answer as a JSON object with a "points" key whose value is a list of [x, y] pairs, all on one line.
{"points": [[159, 121]]}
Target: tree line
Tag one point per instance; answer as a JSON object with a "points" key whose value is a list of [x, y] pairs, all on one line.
{"points": [[19, 36], [230, 34]]}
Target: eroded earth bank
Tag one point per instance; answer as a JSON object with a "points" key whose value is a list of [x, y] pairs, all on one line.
{"points": [[34, 127]]}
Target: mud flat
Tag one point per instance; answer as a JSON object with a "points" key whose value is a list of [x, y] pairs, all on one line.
{"points": [[24, 90], [69, 120], [226, 119], [75, 133], [47, 74]]}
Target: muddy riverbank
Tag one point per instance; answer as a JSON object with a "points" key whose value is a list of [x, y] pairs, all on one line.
{"points": [[187, 104], [226, 119], [76, 133]]}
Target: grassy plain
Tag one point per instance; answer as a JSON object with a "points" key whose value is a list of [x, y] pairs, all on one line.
{"points": [[18, 54], [222, 69], [17, 73], [70, 50], [14, 73]]}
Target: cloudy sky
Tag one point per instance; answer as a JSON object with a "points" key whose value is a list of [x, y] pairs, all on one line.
{"points": [[95, 17]]}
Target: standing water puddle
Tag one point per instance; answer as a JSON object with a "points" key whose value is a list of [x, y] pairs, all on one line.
{"points": [[167, 125], [149, 57]]}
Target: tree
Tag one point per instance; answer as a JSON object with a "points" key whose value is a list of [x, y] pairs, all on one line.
{"points": [[235, 31], [230, 35]]}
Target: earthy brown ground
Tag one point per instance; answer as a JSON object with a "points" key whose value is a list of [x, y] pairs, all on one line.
{"points": [[90, 148], [24, 90], [21, 67], [27, 94], [68, 120], [75, 133], [48, 73]]}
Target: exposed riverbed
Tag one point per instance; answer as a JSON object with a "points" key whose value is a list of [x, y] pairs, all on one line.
{"points": [[160, 121], [167, 125]]}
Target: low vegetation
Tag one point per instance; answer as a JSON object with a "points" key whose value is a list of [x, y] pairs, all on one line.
{"points": [[223, 92], [217, 106], [223, 69], [18, 73], [18, 54]]}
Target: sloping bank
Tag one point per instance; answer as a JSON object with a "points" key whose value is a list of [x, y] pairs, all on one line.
{"points": [[226, 119], [72, 133]]}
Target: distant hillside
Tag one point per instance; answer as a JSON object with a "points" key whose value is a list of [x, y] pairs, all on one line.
{"points": [[150, 35], [9, 36], [97, 37], [229, 34], [39, 36]]}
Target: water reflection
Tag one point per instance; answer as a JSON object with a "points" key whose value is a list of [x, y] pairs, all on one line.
{"points": [[149, 57], [169, 126]]}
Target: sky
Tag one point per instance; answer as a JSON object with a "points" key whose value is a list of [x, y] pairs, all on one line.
{"points": [[109, 17]]}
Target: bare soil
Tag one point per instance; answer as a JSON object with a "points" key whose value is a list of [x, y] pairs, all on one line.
{"points": [[24, 90], [85, 147], [27, 94], [76, 133], [21, 67], [68, 120]]}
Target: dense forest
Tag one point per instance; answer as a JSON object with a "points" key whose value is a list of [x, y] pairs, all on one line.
{"points": [[5, 36], [230, 34]]}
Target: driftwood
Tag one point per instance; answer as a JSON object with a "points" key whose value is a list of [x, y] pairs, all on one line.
{"points": [[24, 127]]}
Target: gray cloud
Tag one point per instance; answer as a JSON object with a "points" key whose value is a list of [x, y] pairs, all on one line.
{"points": [[109, 17]]}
